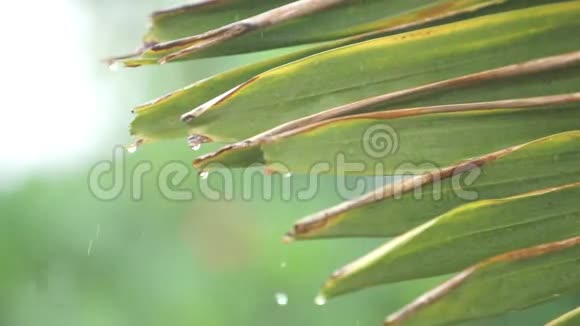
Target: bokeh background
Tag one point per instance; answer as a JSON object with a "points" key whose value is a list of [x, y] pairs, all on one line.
{"points": [[68, 258]]}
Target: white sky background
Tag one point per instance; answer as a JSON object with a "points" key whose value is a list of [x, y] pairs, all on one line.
{"points": [[48, 103], [61, 108]]}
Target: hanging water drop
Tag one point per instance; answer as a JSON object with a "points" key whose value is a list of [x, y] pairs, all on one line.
{"points": [[281, 298], [115, 66], [320, 300], [131, 148], [195, 141]]}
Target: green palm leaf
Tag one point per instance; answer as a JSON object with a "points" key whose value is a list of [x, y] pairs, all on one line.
{"points": [[329, 79], [186, 32], [199, 17], [160, 118], [403, 205], [478, 105], [443, 134], [511, 281], [452, 241], [545, 76]]}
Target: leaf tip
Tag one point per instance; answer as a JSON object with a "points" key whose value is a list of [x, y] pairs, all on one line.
{"points": [[198, 163], [187, 117], [164, 60], [288, 238]]}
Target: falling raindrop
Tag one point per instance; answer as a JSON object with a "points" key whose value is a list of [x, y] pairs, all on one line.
{"points": [[204, 175], [283, 264], [90, 248], [320, 300], [281, 298]]}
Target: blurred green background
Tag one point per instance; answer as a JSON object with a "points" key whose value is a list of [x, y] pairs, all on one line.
{"points": [[68, 258]]}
